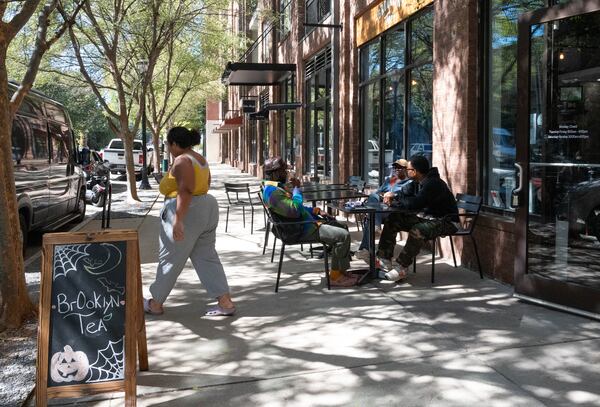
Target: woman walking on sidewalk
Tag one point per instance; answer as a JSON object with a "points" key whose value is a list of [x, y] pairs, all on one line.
{"points": [[189, 221]]}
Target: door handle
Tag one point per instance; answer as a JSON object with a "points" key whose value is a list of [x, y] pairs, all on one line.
{"points": [[515, 196]]}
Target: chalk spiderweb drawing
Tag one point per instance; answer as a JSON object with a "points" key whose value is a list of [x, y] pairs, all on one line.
{"points": [[67, 258], [110, 363]]}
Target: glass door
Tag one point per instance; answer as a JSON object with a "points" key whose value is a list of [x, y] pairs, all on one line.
{"points": [[558, 152]]}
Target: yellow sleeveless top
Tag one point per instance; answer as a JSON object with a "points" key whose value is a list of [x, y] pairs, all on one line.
{"points": [[168, 185]]}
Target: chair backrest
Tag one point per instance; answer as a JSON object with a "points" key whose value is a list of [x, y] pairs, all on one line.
{"points": [[237, 189], [468, 208], [357, 183], [287, 233]]}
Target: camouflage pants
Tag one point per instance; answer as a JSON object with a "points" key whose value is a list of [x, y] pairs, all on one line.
{"points": [[419, 230]]}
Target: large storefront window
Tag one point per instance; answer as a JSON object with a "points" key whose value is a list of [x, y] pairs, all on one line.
{"points": [[319, 152], [396, 95], [501, 90]]}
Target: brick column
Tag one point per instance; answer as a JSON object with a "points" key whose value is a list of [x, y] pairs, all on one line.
{"points": [[455, 96]]}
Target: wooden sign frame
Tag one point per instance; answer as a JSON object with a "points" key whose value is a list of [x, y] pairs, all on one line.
{"points": [[135, 327]]}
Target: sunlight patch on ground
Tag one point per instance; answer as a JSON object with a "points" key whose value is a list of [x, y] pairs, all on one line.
{"points": [[581, 397]]}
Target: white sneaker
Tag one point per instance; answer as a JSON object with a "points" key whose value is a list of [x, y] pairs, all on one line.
{"points": [[396, 274], [383, 264]]}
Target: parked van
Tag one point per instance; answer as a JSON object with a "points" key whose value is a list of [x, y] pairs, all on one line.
{"points": [[49, 181]]}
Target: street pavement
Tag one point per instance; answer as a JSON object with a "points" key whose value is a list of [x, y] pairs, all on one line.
{"points": [[460, 342]]}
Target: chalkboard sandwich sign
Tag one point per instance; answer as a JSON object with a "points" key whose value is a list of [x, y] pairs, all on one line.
{"points": [[91, 316]]}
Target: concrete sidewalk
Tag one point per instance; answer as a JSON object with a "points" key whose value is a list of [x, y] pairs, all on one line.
{"points": [[461, 342]]}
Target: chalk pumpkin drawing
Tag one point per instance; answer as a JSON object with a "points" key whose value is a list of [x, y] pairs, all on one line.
{"points": [[69, 366]]}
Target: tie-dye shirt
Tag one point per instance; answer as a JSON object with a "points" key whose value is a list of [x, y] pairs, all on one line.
{"points": [[288, 205]]}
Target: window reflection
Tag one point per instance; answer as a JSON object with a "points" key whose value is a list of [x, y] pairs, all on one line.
{"points": [[421, 38], [371, 131], [420, 111], [371, 60], [394, 49], [393, 120]]}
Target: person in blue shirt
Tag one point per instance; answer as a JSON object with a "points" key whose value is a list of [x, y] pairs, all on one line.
{"points": [[395, 186]]}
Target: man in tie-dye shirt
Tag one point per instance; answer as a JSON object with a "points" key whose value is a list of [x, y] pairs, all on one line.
{"points": [[290, 207]]}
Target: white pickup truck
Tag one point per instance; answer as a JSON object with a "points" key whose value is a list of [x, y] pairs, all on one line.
{"points": [[114, 153]]}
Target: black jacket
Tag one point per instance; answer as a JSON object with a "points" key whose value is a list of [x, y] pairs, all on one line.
{"points": [[434, 197], [408, 189]]}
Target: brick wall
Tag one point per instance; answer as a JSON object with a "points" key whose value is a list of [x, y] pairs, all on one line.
{"points": [[455, 132]]}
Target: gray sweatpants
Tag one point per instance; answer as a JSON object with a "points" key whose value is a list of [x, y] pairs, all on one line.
{"points": [[198, 245]]}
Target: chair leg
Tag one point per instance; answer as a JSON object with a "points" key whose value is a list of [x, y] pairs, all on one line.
{"points": [[477, 255], [301, 247], [279, 268], [227, 219], [311, 251], [267, 230], [433, 261], [326, 257], [252, 221], [415, 265], [452, 246], [244, 216], [273, 252]]}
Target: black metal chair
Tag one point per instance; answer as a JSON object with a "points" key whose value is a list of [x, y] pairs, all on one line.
{"points": [[284, 230], [468, 208], [234, 191]]}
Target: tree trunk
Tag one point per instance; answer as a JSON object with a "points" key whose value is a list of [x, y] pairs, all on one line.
{"points": [[129, 165], [15, 304], [157, 158]]}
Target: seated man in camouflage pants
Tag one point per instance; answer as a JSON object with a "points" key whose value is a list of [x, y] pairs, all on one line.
{"points": [[435, 201], [289, 207]]}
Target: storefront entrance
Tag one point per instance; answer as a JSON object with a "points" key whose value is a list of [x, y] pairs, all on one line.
{"points": [[558, 150]]}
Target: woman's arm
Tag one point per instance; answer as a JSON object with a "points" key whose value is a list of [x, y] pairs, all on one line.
{"points": [[183, 171]]}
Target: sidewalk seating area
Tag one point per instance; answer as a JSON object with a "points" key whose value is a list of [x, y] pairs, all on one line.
{"points": [[463, 341]]}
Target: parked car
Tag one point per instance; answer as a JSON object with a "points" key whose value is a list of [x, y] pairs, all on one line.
{"points": [[420, 149], [49, 180], [114, 153], [503, 146]]}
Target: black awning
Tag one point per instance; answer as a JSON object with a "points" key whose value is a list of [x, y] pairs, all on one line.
{"points": [[255, 74], [282, 106], [263, 114]]}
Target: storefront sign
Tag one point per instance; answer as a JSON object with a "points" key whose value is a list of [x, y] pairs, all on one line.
{"points": [[568, 132], [383, 15], [248, 105]]}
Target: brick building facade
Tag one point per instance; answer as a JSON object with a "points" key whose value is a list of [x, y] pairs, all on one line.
{"points": [[452, 88]]}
